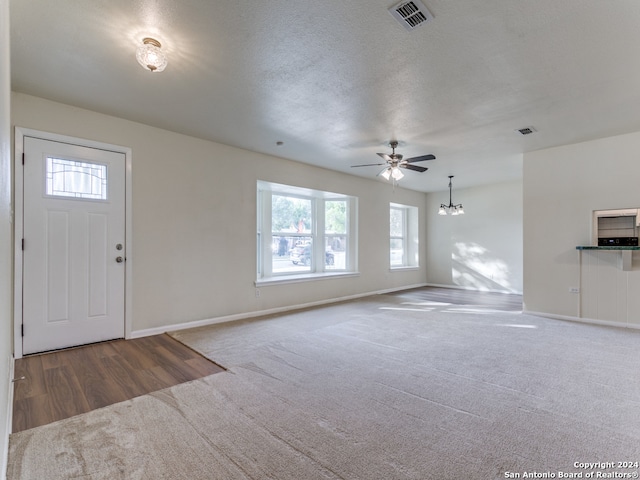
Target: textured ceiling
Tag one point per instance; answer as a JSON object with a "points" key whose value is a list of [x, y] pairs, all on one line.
{"points": [[336, 80]]}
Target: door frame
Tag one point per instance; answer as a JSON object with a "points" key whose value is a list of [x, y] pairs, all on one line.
{"points": [[18, 222]]}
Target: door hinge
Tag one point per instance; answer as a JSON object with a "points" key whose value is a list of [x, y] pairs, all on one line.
{"points": [[23, 244], [22, 158], [22, 329]]}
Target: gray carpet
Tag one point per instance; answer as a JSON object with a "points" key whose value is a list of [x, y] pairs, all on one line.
{"points": [[381, 388]]}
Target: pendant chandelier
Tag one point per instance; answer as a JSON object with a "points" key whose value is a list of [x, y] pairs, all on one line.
{"points": [[451, 208]]}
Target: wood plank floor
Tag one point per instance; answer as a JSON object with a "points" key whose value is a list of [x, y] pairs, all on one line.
{"points": [[64, 383]]}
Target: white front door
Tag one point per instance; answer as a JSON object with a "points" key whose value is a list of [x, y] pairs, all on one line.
{"points": [[74, 245]]}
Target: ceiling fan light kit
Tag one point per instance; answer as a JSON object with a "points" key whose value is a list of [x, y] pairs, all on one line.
{"points": [[394, 163], [451, 208], [392, 172]]}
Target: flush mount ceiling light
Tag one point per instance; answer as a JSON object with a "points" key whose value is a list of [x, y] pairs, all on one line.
{"points": [[150, 55], [451, 208]]}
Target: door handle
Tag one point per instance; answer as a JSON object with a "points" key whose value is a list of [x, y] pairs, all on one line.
{"points": [[119, 259]]}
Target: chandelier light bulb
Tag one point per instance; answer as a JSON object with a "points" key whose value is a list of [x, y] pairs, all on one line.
{"points": [[150, 55], [396, 173]]}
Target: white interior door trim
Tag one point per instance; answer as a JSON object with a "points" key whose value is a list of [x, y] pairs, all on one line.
{"points": [[18, 219]]}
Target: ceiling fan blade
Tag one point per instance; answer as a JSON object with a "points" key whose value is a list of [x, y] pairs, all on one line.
{"points": [[415, 168], [369, 165], [421, 158], [386, 157]]}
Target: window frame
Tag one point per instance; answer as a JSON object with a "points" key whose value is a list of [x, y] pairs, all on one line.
{"points": [[409, 237], [317, 235]]}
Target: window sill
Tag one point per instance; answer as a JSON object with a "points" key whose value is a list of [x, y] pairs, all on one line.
{"points": [[403, 269], [284, 279]]}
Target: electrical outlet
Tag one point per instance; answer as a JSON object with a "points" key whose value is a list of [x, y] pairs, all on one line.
{"points": [[574, 290], [257, 293]]}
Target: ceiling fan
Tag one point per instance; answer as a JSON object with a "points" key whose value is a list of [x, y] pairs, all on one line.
{"points": [[394, 162]]}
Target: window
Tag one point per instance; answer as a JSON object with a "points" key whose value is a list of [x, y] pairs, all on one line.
{"points": [[403, 236], [304, 233], [69, 178]]}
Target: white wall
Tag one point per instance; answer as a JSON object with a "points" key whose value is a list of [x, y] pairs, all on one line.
{"points": [[5, 233], [562, 187], [482, 249], [194, 219]]}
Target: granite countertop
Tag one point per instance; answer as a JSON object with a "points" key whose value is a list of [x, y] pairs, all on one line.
{"points": [[596, 247]]}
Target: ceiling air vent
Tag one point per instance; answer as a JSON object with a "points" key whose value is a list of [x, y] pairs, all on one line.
{"points": [[411, 14], [526, 130]]}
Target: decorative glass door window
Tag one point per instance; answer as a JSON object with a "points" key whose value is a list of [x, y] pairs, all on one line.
{"points": [[70, 178]]}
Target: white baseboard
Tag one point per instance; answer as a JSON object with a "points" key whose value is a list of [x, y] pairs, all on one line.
{"points": [[260, 313], [592, 321], [462, 287], [5, 451]]}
